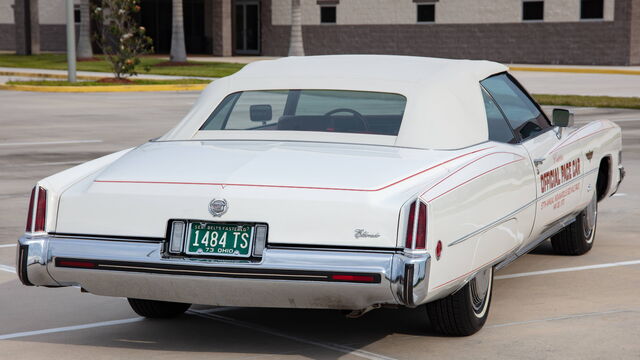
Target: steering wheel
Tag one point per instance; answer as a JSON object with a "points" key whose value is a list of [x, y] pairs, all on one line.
{"points": [[355, 114]]}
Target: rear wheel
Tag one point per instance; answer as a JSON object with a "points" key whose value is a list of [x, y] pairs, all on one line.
{"points": [[157, 309], [464, 312], [577, 238]]}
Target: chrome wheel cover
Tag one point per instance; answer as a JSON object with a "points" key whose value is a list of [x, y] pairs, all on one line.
{"points": [[479, 290], [589, 217]]}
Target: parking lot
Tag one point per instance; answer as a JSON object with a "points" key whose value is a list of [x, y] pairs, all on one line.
{"points": [[543, 306]]}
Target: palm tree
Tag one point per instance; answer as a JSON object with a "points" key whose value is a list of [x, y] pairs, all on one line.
{"points": [[178, 52], [84, 38], [296, 47]]}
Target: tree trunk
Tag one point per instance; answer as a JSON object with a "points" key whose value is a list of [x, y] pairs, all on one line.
{"points": [[296, 47], [178, 52], [84, 38]]}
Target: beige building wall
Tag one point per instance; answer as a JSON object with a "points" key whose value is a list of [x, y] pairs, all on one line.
{"points": [[52, 12], [6, 12], [369, 12]]}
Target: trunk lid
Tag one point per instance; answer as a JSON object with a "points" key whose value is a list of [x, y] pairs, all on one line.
{"points": [[308, 193]]}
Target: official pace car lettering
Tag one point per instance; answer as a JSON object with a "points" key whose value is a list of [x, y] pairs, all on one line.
{"points": [[559, 175], [557, 201]]}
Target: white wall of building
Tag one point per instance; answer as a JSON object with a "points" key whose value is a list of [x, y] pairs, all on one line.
{"points": [[49, 11], [52, 12], [6, 12], [369, 12]]}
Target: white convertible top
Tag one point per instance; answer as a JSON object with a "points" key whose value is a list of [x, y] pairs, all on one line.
{"points": [[444, 110]]}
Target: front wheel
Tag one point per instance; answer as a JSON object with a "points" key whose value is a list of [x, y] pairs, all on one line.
{"points": [[157, 309], [577, 238], [464, 312]]}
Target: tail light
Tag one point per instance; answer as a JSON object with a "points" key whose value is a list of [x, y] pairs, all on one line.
{"points": [[417, 224], [30, 211], [39, 199]]}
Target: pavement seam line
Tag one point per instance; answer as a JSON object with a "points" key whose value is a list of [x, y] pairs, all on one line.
{"points": [[331, 346], [70, 328], [6, 268], [575, 70], [60, 142], [568, 269], [106, 88], [562, 317]]}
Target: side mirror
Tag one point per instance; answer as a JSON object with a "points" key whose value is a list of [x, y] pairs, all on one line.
{"points": [[562, 118], [260, 113]]}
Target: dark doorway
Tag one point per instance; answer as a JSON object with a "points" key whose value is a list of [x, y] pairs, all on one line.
{"points": [[247, 27], [155, 16]]}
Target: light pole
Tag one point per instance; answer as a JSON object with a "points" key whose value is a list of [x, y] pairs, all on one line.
{"points": [[71, 42]]}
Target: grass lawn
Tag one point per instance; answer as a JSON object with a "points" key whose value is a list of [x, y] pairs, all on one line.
{"points": [[59, 62], [589, 101], [96, 83]]}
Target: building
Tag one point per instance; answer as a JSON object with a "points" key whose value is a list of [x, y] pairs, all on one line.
{"points": [[602, 32]]}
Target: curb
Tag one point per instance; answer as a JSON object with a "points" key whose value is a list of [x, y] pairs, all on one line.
{"points": [[45, 75], [576, 70], [108, 88]]}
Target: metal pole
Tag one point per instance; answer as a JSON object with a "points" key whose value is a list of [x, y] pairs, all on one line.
{"points": [[71, 42]]}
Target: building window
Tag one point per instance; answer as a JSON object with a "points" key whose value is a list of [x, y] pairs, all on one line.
{"points": [[77, 16], [327, 14], [426, 12], [532, 10], [591, 9]]}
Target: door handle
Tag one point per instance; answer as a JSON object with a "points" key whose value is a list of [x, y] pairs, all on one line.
{"points": [[539, 161]]}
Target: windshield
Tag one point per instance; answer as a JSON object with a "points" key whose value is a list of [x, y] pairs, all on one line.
{"points": [[360, 112]]}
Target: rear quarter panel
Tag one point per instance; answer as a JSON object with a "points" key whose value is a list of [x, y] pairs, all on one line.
{"points": [[481, 211]]}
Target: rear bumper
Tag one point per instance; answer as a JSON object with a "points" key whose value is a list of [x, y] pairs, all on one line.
{"points": [[621, 174], [290, 278]]}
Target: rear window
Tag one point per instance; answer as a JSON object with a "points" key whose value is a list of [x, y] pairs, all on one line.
{"points": [[360, 112]]}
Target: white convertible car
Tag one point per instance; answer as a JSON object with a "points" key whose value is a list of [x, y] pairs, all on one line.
{"points": [[338, 182]]}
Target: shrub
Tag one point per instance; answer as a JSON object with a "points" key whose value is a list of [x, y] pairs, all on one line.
{"points": [[122, 41]]}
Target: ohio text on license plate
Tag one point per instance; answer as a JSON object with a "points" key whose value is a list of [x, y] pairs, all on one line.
{"points": [[217, 239]]}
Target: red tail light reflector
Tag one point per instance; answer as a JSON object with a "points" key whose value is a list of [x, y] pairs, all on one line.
{"points": [[76, 264], [41, 210], [420, 229], [30, 211], [354, 278], [438, 250]]}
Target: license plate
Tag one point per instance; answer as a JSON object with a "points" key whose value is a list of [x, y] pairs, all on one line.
{"points": [[217, 239]]}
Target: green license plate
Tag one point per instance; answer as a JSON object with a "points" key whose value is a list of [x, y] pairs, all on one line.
{"points": [[217, 239]]}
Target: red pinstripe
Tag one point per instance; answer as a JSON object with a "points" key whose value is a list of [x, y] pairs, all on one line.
{"points": [[467, 164], [564, 144], [293, 186], [475, 177]]}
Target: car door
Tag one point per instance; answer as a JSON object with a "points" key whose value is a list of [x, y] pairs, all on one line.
{"points": [[556, 163]]}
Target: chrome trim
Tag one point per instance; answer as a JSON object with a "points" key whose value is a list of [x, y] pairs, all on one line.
{"points": [[551, 230], [513, 213], [138, 270], [488, 227], [416, 217], [621, 175], [104, 238]]}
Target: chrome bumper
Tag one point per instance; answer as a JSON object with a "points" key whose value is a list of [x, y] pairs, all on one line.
{"points": [[289, 278], [621, 175]]}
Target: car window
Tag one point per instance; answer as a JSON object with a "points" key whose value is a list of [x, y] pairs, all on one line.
{"points": [[319, 102], [499, 129], [239, 117], [523, 115], [362, 112]]}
